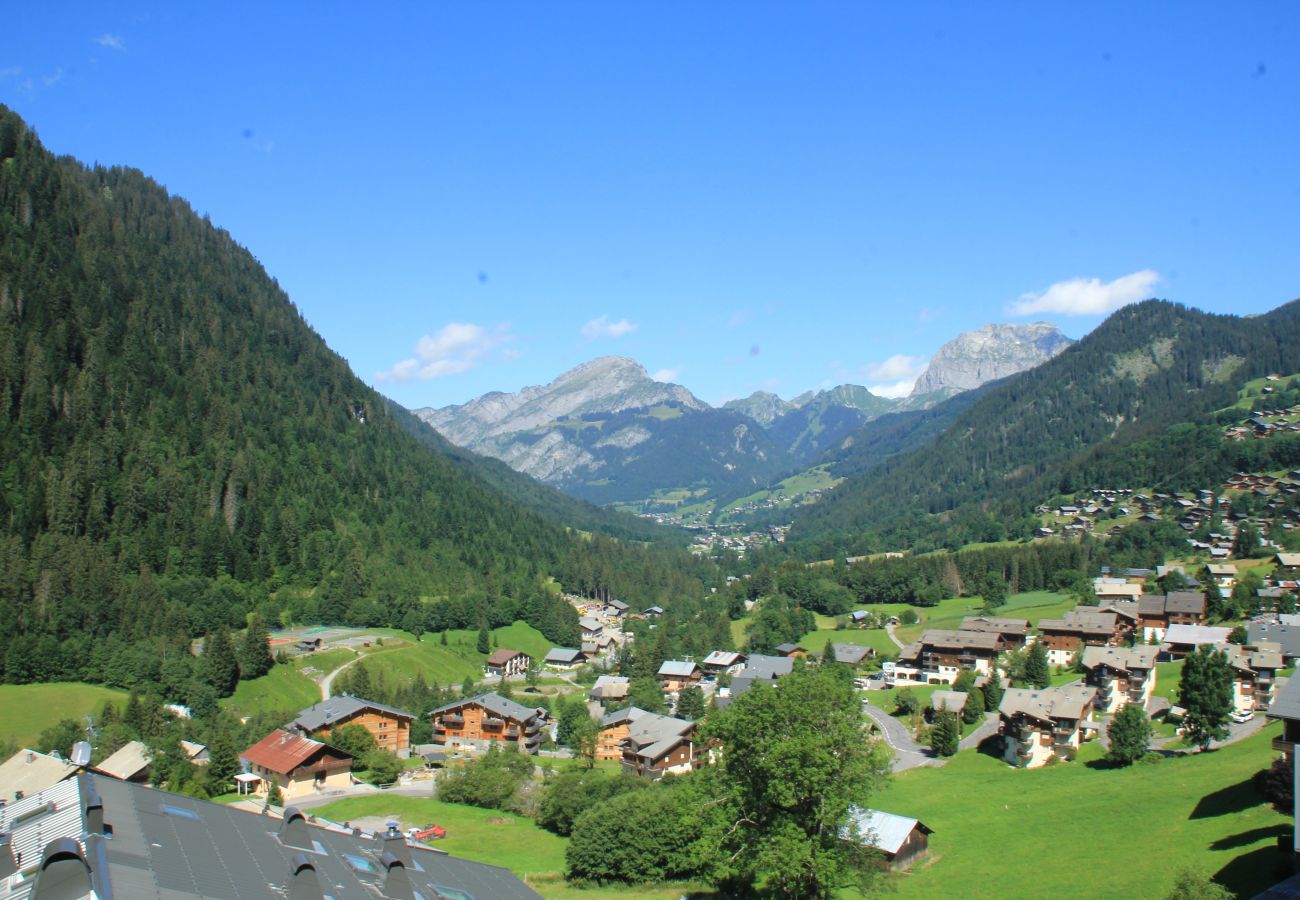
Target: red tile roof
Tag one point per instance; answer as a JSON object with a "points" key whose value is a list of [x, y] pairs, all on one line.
{"points": [[283, 752]]}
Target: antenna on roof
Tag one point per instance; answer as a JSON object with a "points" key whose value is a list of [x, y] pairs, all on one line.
{"points": [[81, 753]]}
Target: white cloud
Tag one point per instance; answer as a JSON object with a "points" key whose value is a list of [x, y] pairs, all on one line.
{"points": [[454, 348], [1087, 296], [738, 318], [52, 80], [895, 390], [667, 375], [897, 366], [11, 72], [111, 41], [604, 328]]}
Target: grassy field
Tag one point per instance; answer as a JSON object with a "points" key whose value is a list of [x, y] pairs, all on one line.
{"points": [[28, 709], [489, 836], [815, 641], [1033, 605], [398, 659], [1081, 830], [817, 478]]}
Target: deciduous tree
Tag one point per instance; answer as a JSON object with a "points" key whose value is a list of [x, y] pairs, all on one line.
{"points": [[1205, 691], [1130, 735]]}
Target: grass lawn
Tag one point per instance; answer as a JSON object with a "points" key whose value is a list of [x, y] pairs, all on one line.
{"points": [[1168, 675], [401, 658], [1077, 830], [815, 641], [738, 627], [1033, 605], [283, 689], [489, 836], [28, 709]]}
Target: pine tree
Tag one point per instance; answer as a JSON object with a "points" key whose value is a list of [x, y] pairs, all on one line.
{"points": [[255, 658], [274, 796], [945, 735], [828, 654], [993, 691], [358, 681], [220, 667], [1037, 673], [690, 703], [973, 711], [442, 637], [484, 644]]}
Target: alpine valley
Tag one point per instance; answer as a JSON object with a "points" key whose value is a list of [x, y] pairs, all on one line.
{"points": [[607, 432]]}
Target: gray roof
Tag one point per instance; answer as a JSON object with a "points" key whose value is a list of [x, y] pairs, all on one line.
{"points": [[949, 701], [1196, 635], [978, 640], [1288, 636], [167, 845], [1185, 602], [130, 760], [336, 709], [493, 703], [885, 830], [29, 771], [851, 654], [678, 668], [562, 655], [1286, 705], [1066, 702], [652, 735], [1125, 659], [589, 624], [999, 624]]}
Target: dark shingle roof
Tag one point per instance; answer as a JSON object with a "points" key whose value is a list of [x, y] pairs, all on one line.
{"points": [[336, 709], [167, 845], [1286, 705], [493, 703]]}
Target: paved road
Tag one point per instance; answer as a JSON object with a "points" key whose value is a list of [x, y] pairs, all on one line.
{"points": [[988, 728], [329, 679], [908, 754]]}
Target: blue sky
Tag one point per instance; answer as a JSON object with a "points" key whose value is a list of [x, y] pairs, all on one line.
{"points": [[472, 197]]}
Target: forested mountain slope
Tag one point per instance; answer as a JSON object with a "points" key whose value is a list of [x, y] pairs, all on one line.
{"points": [[1103, 409], [178, 447]]}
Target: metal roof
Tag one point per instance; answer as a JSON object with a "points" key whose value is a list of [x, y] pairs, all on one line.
{"points": [[130, 760], [885, 830], [1196, 635], [28, 771], [175, 847], [283, 752], [1286, 705], [678, 668], [562, 655]]}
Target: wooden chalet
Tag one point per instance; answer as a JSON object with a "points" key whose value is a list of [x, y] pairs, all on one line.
{"points": [[658, 745], [1157, 612], [1039, 724], [1121, 675], [504, 662], [389, 726], [299, 765], [475, 723], [939, 656], [1011, 631], [1079, 628], [676, 674]]}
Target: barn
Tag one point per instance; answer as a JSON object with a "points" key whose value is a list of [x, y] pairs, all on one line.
{"points": [[900, 839]]}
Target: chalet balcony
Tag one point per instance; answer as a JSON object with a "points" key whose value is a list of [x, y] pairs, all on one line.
{"points": [[493, 724], [533, 727], [512, 734]]}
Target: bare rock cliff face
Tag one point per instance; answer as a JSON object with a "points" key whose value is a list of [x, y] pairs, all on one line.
{"points": [[992, 352], [495, 423]]}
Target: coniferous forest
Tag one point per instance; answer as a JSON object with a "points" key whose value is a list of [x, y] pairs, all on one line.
{"points": [[180, 449]]}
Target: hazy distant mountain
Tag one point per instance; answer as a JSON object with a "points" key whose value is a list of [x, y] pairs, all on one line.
{"points": [[987, 354], [761, 406], [820, 421], [607, 432]]}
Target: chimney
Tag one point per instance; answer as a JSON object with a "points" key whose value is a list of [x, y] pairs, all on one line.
{"points": [[64, 872], [31, 757], [293, 830], [395, 843], [8, 863], [94, 810], [303, 883], [397, 884]]}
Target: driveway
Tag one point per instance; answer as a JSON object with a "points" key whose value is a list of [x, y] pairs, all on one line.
{"points": [[908, 754]]}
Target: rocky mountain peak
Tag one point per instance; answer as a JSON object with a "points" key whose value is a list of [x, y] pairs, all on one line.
{"points": [[987, 354]]}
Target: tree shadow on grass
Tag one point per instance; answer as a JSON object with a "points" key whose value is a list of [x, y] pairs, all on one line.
{"points": [[1235, 798], [993, 746], [1246, 838], [1253, 872]]}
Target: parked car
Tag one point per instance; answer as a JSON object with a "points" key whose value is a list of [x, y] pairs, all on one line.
{"points": [[1242, 717]]}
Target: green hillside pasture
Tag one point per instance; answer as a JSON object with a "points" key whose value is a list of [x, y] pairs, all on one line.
{"points": [[489, 836], [1078, 830], [283, 689], [401, 658], [815, 641], [28, 709], [1033, 605]]}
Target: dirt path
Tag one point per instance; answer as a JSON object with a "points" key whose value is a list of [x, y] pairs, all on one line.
{"points": [[889, 630]]}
